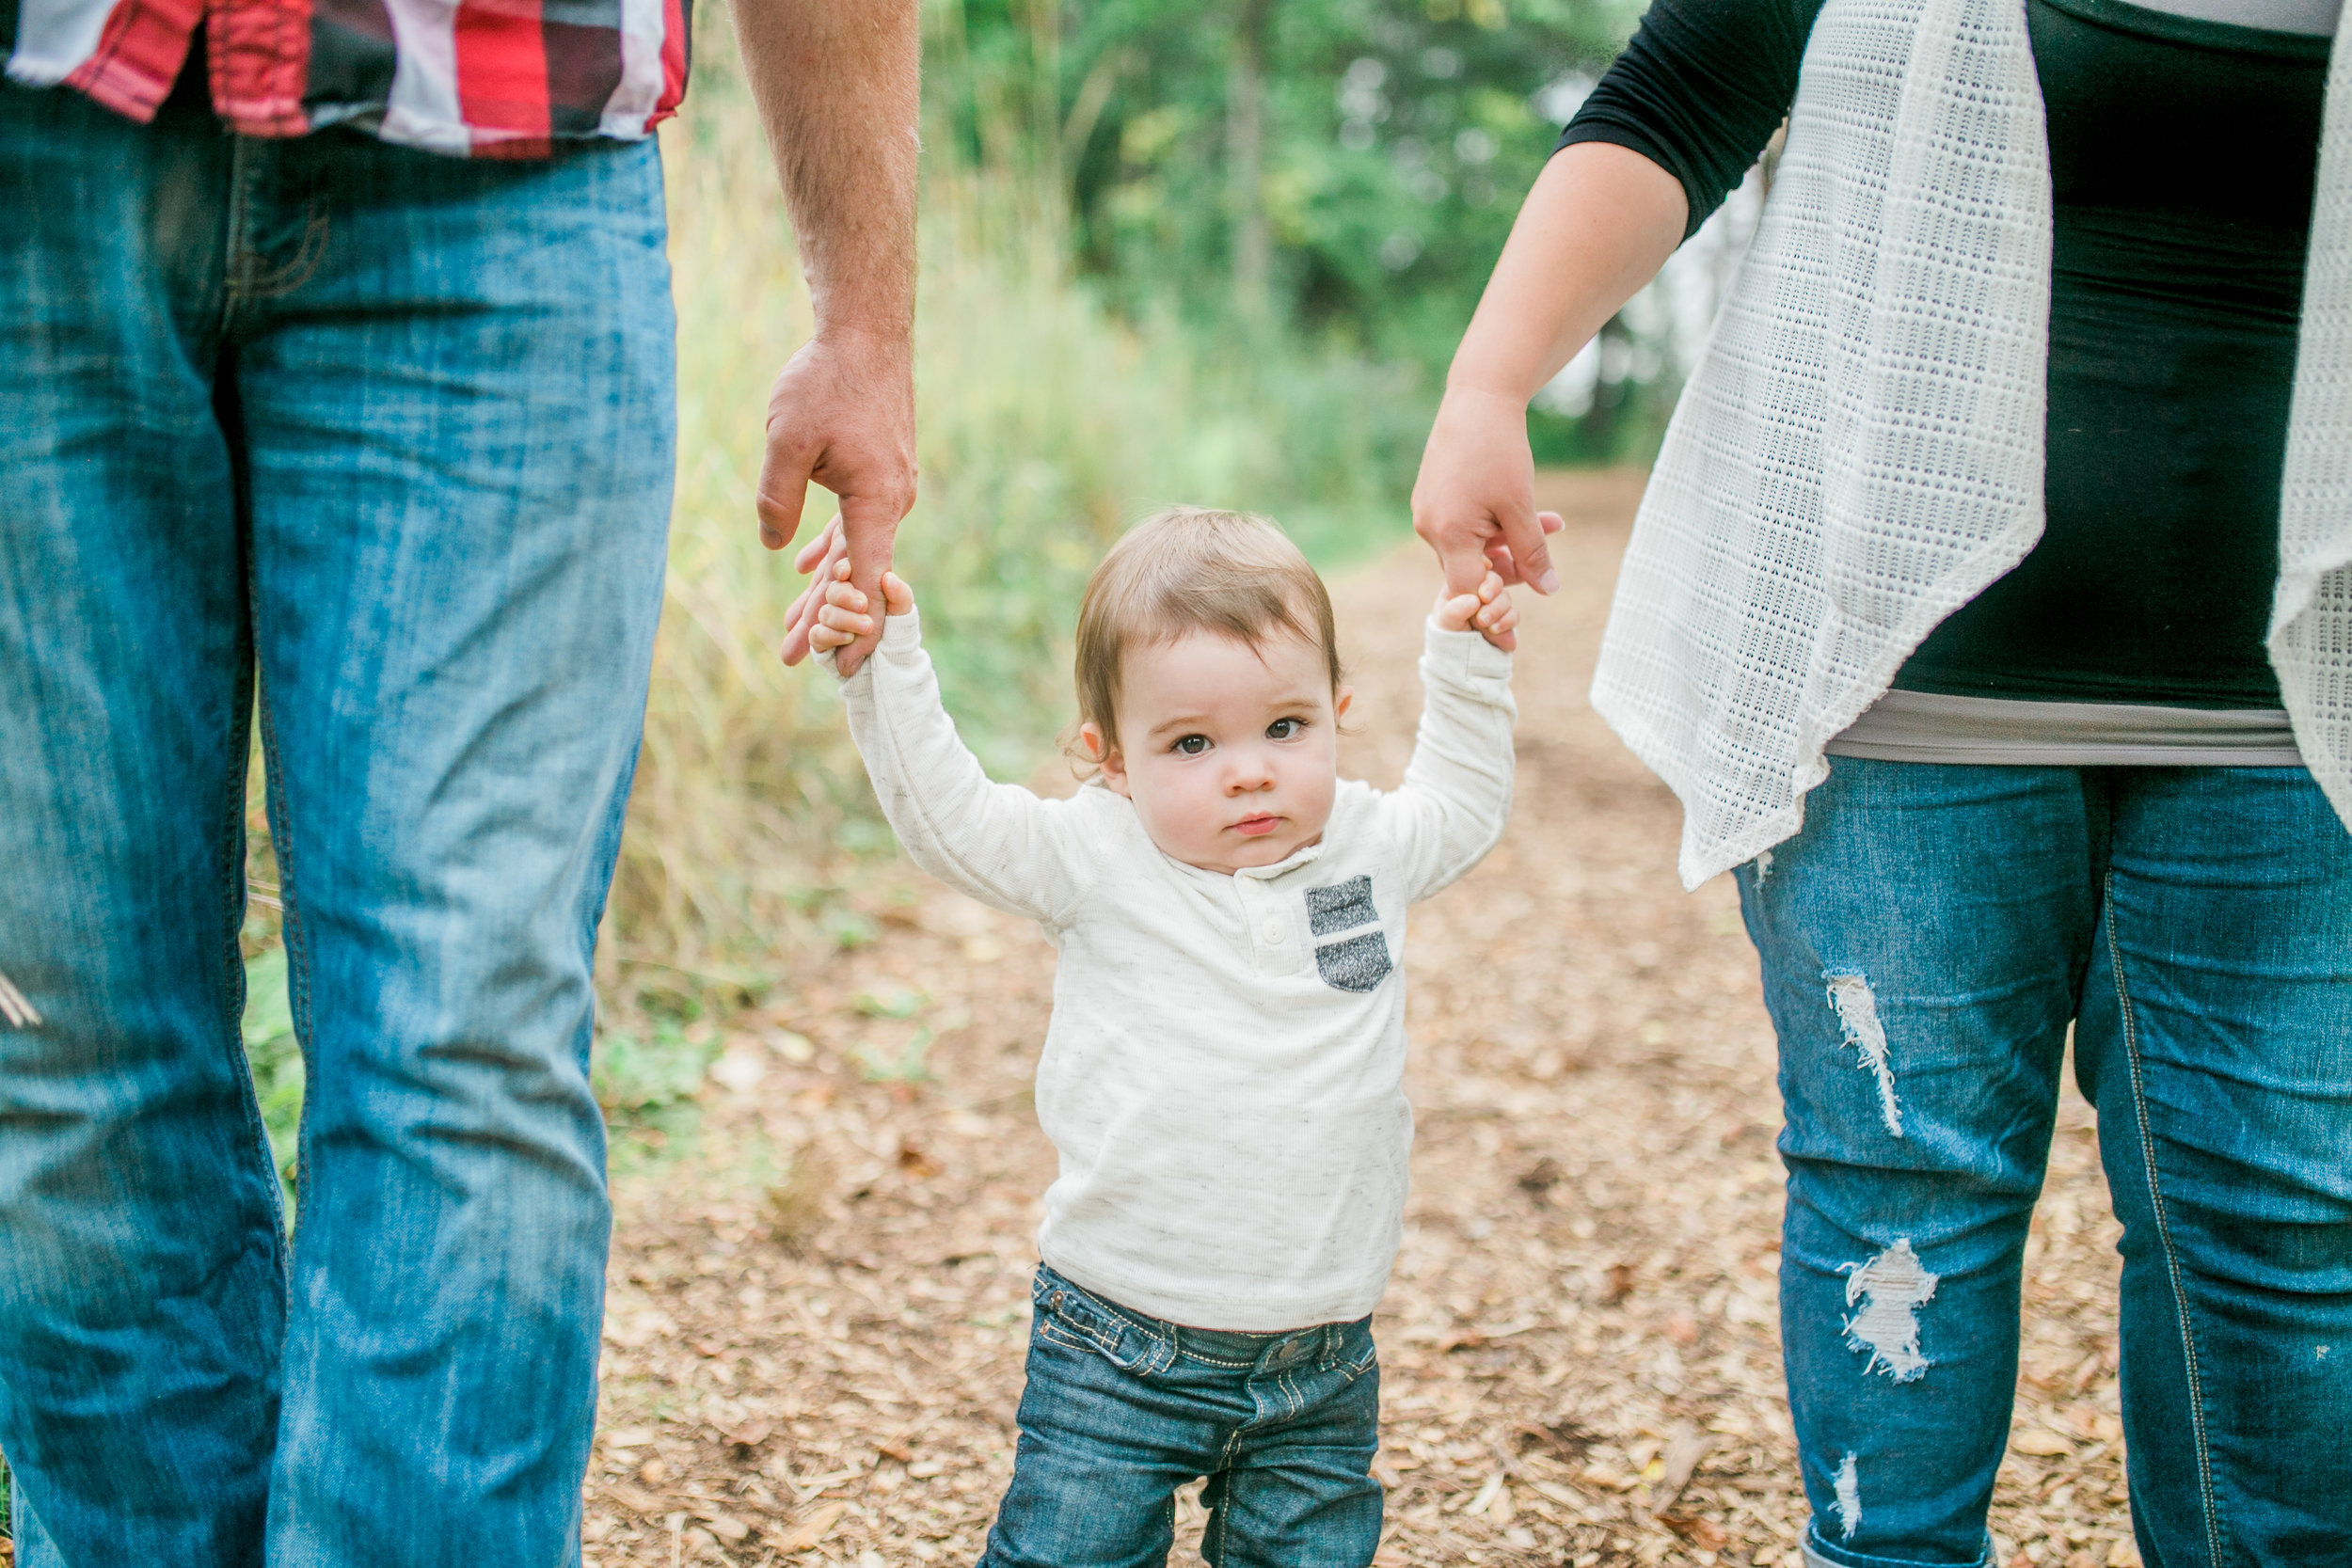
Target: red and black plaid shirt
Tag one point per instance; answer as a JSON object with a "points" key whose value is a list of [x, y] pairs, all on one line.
{"points": [[485, 78]]}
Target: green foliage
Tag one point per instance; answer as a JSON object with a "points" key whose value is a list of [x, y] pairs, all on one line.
{"points": [[909, 1061], [1376, 149], [645, 1075], [646, 1084], [910, 1064], [897, 1002], [636, 1076], [276, 1059]]}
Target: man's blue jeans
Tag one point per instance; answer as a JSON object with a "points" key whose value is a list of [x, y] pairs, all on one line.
{"points": [[1121, 1409], [1927, 939], [384, 440]]}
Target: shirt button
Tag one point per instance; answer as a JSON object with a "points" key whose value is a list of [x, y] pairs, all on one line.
{"points": [[1274, 932]]}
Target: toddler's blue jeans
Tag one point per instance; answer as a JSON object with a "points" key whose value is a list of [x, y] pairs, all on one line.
{"points": [[1122, 1409], [1926, 941], [384, 439]]}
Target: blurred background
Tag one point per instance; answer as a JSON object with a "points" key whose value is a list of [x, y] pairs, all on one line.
{"points": [[1214, 251]]}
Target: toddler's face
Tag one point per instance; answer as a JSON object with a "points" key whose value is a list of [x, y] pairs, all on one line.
{"points": [[1230, 753]]}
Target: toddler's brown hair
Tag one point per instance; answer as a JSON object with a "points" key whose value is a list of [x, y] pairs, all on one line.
{"points": [[1191, 568]]}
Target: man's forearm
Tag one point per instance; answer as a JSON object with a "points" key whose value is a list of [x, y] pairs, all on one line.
{"points": [[838, 83]]}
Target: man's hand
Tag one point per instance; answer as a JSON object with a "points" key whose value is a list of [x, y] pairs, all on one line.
{"points": [[1486, 610], [843, 612], [842, 416], [838, 86]]}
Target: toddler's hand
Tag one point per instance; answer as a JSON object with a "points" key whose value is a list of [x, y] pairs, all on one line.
{"points": [[1489, 612], [843, 619]]}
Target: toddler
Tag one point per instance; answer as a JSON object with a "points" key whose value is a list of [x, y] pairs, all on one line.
{"points": [[1222, 1077]]}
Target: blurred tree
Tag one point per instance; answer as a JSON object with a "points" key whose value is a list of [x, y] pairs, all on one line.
{"points": [[1349, 166]]}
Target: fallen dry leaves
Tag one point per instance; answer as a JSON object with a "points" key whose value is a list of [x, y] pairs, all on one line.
{"points": [[816, 1325]]}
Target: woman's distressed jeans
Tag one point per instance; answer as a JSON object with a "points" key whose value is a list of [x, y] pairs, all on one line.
{"points": [[376, 445], [1927, 939]]}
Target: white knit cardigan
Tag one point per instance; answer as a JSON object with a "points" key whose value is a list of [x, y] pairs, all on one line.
{"points": [[1859, 450]]}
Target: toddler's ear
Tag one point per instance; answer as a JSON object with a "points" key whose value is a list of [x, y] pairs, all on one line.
{"points": [[1105, 756]]}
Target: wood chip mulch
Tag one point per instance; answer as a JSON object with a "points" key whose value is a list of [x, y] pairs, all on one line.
{"points": [[816, 1320]]}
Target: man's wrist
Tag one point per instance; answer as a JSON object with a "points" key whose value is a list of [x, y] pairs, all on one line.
{"points": [[888, 327], [873, 326]]}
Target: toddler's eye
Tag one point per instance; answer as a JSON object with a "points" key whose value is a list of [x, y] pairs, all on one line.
{"points": [[1190, 745], [1284, 729]]}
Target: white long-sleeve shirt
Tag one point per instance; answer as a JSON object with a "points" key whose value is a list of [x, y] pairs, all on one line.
{"points": [[1223, 1076]]}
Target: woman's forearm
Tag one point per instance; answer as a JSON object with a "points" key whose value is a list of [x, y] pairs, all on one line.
{"points": [[1598, 224], [1601, 222]]}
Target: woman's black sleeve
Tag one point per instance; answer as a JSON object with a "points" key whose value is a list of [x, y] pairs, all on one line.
{"points": [[1700, 90]]}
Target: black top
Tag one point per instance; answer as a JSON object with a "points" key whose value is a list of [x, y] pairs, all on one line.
{"points": [[2183, 157]]}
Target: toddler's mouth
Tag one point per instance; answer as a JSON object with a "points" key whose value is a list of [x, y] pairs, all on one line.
{"points": [[1257, 826]]}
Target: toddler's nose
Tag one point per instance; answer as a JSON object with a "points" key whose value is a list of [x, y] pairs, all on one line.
{"points": [[1250, 774]]}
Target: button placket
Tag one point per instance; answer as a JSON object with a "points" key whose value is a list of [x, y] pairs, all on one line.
{"points": [[1262, 913]]}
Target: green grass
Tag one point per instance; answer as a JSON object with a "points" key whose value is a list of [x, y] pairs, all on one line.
{"points": [[646, 1082], [275, 1058]]}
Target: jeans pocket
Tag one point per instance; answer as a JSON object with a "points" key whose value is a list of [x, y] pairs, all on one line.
{"points": [[1356, 1353], [1068, 1317]]}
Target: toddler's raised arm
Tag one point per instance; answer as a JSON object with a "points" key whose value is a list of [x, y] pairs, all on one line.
{"points": [[997, 842], [1456, 793]]}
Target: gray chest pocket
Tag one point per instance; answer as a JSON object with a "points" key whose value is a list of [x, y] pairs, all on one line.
{"points": [[1357, 961]]}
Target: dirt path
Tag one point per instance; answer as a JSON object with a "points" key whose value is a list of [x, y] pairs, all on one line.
{"points": [[815, 1329]]}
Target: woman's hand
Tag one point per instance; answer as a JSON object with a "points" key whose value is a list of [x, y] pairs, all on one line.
{"points": [[842, 616], [1474, 502], [1597, 225], [1487, 610]]}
